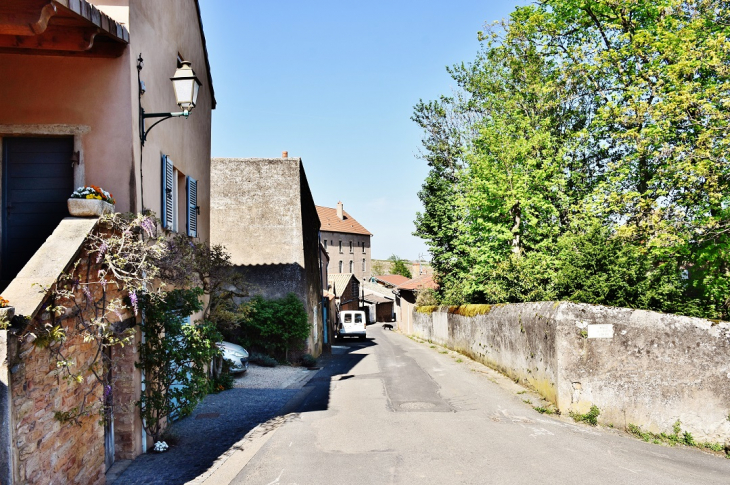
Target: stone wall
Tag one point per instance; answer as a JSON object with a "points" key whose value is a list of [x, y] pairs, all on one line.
{"points": [[43, 449], [638, 367]]}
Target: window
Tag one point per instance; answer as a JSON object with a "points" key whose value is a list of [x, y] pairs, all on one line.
{"points": [[348, 317], [350, 247], [358, 318], [340, 271], [177, 201], [363, 264], [363, 247], [352, 266], [340, 250], [325, 244]]}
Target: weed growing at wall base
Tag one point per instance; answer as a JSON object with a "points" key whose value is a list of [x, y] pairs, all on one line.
{"points": [[677, 437], [591, 417]]}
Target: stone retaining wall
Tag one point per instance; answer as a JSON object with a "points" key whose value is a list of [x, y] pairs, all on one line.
{"points": [[638, 367]]}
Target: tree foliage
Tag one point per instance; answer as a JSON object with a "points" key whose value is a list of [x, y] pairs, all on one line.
{"points": [[274, 326], [399, 266], [587, 160]]}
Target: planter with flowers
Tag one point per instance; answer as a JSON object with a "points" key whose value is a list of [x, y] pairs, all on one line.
{"points": [[6, 313], [91, 201]]}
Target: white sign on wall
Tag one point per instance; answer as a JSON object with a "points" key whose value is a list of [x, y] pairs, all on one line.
{"points": [[602, 330]]}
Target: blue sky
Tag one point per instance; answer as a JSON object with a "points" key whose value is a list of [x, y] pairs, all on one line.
{"points": [[335, 82]]}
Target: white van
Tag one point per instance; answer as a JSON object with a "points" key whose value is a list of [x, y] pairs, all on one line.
{"points": [[352, 324]]}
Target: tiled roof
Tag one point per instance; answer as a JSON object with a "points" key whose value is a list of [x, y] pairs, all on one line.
{"points": [[423, 281], [332, 223], [391, 279], [339, 282]]}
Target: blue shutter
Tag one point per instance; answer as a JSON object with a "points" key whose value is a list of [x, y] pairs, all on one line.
{"points": [[167, 201], [192, 189]]}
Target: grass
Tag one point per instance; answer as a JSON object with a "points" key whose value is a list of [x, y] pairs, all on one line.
{"points": [[433, 346], [527, 401], [522, 392], [677, 437], [543, 410], [459, 360], [443, 351], [591, 417]]}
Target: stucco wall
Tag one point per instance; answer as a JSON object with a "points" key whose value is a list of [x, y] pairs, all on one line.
{"points": [[263, 213], [638, 367]]}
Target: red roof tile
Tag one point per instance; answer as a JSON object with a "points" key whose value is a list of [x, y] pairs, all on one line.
{"points": [[392, 279], [330, 222], [423, 281]]}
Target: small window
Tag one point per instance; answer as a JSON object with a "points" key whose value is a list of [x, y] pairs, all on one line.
{"points": [[350, 247], [358, 318], [340, 267], [340, 250], [325, 244], [363, 247], [363, 264], [348, 317], [352, 266]]}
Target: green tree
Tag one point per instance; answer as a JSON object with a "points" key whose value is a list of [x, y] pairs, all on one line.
{"points": [[399, 266], [589, 161]]}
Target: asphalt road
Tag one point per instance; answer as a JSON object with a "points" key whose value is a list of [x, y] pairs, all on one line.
{"points": [[394, 411]]}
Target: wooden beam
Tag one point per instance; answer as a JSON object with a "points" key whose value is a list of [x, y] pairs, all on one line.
{"points": [[29, 19], [75, 39], [106, 50]]}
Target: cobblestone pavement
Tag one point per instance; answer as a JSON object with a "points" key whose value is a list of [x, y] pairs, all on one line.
{"points": [[216, 424]]}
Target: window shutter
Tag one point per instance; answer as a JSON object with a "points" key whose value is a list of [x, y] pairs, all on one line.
{"points": [[167, 200], [192, 188]]}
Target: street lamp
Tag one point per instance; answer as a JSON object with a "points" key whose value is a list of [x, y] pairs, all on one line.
{"points": [[186, 86]]}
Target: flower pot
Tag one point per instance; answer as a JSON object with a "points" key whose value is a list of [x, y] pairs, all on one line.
{"points": [[89, 207]]}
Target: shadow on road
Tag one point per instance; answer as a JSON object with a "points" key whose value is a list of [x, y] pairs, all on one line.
{"points": [[222, 420]]}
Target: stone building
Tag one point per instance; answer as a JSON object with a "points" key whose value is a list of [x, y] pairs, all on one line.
{"points": [[263, 212], [346, 241]]}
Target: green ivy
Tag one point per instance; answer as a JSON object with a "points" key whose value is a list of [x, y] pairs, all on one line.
{"points": [[174, 356]]}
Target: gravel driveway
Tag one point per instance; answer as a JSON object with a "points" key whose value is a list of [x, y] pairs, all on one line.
{"points": [[217, 423]]}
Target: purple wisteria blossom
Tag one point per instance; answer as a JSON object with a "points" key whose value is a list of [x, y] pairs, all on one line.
{"points": [[102, 250], [148, 225], [133, 299], [87, 292]]}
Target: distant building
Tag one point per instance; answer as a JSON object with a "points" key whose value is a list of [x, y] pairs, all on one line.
{"points": [[346, 241], [262, 211], [346, 288]]}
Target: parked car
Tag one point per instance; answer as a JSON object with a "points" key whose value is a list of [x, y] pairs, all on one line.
{"points": [[352, 324], [236, 356]]}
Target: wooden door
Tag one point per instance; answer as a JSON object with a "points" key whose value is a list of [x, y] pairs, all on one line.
{"points": [[37, 181]]}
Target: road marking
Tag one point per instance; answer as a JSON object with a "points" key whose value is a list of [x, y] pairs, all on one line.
{"points": [[277, 479]]}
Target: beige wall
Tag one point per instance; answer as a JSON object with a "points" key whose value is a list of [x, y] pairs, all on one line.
{"points": [[638, 367], [356, 256], [95, 100], [161, 30]]}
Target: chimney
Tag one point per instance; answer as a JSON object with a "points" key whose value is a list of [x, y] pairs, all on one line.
{"points": [[285, 154], [340, 215]]}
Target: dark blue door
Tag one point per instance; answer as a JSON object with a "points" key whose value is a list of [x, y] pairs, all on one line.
{"points": [[37, 181]]}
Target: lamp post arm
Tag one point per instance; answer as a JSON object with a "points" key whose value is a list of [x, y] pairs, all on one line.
{"points": [[163, 116]]}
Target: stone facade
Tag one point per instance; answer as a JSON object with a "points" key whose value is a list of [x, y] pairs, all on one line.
{"points": [[349, 253], [263, 213], [44, 449]]}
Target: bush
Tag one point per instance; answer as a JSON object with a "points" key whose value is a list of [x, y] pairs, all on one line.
{"points": [[275, 326], [262, 360], [308, 360]]}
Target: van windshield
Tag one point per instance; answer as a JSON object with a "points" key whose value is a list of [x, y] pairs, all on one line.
{"points": [[358, 318], [348, 318]]}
